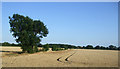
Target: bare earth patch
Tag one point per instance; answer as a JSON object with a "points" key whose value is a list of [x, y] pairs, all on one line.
{"points": [[67, 58]]}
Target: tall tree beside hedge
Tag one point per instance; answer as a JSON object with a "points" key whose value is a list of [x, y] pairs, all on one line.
{"points": [[27, 32]]}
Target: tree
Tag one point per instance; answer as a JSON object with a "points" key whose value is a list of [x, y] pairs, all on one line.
{"points": [[27, 32], [6, 44], [79, 47], [119, 48], [84, 47], [89, 47], [13, 44], [97, 47], [40, 45], [111, 47], [102, 47]]}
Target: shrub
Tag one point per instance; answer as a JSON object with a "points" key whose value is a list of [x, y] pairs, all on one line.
{"points": [[66, 48], [45, 47], [54, 48], [89, 47]]}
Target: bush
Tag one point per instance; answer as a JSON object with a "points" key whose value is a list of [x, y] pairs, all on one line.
{"points": [[89, 47], [54, 48], [66, 48], [97, 47], [45, 47], [35, 49], [29, 49]]}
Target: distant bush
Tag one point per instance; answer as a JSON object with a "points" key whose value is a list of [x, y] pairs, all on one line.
{"points": [[29, 49], [54, 48], [79, 47], [111, 47], [89, 47], [58, 47], [97, 47], [65, 48], [6, 44], [45, 47], [9, 44]]}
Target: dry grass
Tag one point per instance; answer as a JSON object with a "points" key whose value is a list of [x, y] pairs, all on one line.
{"points": [[74, 58]]}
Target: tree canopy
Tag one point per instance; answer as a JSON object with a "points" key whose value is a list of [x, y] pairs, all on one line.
{"points": [[27, 31]]}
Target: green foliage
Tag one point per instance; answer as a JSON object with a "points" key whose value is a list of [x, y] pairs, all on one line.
{"points": [[54, 48], [36, 49], [89, 47], [30, 50], [57, 48], [62, 46], [111, 47], [6, 44], [79, 47], [45, 47], [97, 47], [102, 47], [9, 44], [39, 45], [27, 31], [66, 48]]}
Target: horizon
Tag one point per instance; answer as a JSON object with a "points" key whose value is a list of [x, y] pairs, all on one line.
{"points": [[66, 44], [75, 23]]}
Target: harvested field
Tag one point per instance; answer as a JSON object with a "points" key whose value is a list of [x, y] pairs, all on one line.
{"points": [[67, 58]]}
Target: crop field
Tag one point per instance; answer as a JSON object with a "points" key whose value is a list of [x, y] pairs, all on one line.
{"points": [[65, 58]]}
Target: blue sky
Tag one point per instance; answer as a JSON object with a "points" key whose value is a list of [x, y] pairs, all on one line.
{"points": [[76, 23]]}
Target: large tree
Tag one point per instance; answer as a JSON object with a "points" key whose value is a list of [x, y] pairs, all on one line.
{"points": [[27, 32]]}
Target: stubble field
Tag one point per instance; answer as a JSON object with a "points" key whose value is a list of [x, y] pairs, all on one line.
{"points": [[66, 58]]}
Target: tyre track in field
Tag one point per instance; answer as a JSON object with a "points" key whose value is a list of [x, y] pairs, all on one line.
{"points": [[69, 56], [65, 58]]}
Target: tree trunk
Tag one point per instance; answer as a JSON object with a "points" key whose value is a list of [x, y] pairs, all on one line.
{"points": [[33, 48]]}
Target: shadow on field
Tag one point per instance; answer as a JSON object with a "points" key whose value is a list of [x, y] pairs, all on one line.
{"points": [[13, 52]]}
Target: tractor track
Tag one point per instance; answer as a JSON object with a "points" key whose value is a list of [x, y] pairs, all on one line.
{"points": [[66, 59], [69, 56]]}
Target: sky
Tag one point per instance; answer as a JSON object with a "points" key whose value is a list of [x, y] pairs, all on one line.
{"points": [[60, 0], [75, 23]]}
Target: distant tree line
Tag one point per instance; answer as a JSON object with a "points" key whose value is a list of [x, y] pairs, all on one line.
{"points": [[58, 47], [110, 47], [9, 44], [62, 46]]}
